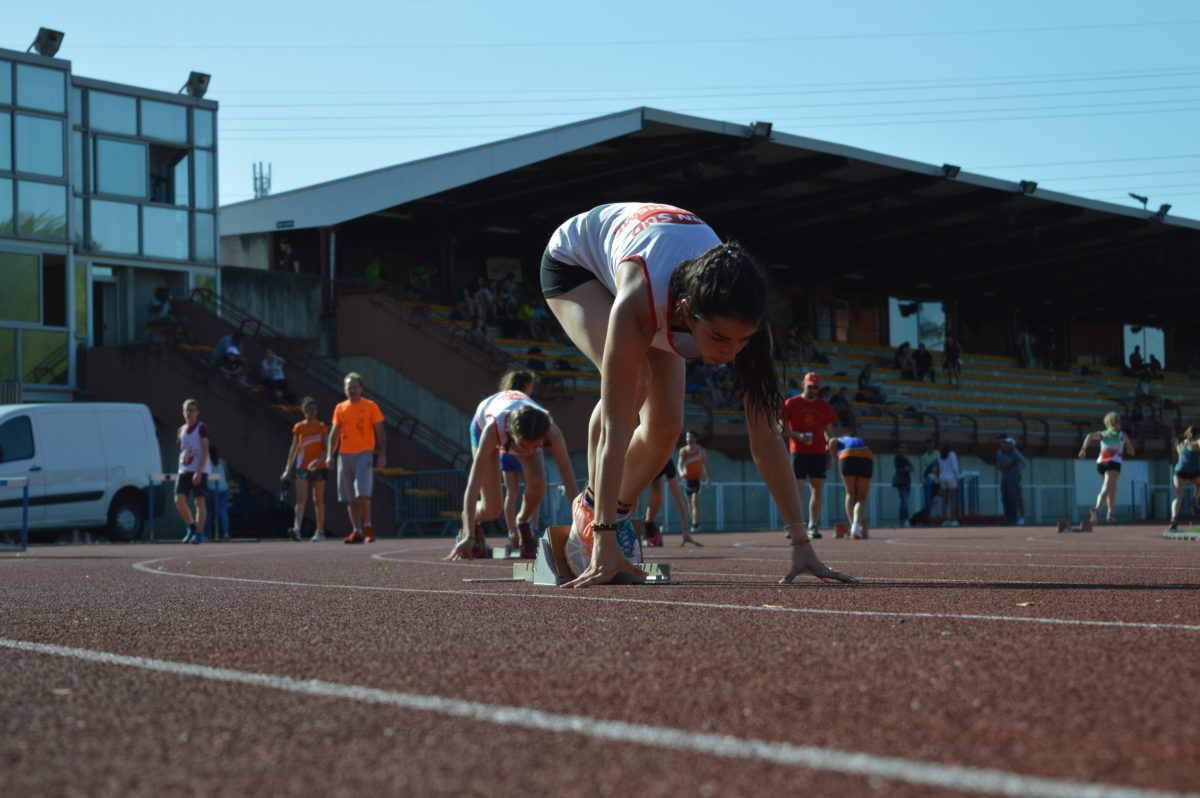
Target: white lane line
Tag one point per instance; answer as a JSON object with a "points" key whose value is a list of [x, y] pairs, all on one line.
{"points": [[951, 581], [565, 595], [951, 777]]}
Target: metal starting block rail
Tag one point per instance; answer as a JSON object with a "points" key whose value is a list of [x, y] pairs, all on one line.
{"points": [[23, 484]]}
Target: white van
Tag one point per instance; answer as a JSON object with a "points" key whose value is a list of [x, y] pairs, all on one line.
{"points": [[88, 466]]}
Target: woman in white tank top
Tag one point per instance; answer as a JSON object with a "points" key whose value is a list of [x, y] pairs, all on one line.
{"points": [[638, 287]]}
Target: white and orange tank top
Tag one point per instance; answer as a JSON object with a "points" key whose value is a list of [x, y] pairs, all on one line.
{"points": [[1112, 446], [659, 237], [691, 462]]}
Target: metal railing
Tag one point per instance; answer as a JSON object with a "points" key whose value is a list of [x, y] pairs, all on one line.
{"points": [[329, 375]]}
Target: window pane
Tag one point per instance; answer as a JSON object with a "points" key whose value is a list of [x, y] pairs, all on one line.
{"points": [[114, 226], [8, 362], [16, 435], [166, 233], [206, 238], [6, 82], [77, 211], [41, 88], [181, 171], [204, 179], [42, 210], [39, 145], [76, 106], [6, 206], [120, 168], [77, 162], [203, 120], [21, 299], [81, 300], [164, 121], [6, 142], [112, 112], [44, 357]]}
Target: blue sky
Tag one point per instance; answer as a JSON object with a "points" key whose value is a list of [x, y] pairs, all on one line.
{"points": [[1093, 98]]}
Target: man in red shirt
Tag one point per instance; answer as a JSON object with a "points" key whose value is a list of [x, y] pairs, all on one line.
{"points": [[809, 427]]}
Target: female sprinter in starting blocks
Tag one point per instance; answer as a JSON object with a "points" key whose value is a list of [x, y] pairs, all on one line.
{"points": [[512, 423], [639, 287]]}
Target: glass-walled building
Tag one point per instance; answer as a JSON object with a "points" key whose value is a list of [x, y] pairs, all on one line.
{"points": [[107, 192]]}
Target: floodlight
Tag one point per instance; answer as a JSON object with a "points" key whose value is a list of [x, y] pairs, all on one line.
{"points": [[1162, 211], [1140, 199], [197, 84], [760, 130], [47, 42], [1027, 187], [950, 170]]}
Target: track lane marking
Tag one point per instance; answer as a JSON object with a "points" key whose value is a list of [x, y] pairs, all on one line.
{"points": [[952, 777], [575, 596]]}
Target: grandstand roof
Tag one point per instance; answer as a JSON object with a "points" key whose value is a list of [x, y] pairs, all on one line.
{"points": [[812, 207]]}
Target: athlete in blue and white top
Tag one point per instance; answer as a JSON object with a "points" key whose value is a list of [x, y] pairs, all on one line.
{"points": [[638, 287]]}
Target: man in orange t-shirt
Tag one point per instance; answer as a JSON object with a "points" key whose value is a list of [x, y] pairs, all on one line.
{"points": [[809, 427], [356, 435]]}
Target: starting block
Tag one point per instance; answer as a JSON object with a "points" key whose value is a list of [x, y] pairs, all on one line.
{"points": [[506, 553], [841, 530], [1084, 526], [1183, 534], [551, 567]]}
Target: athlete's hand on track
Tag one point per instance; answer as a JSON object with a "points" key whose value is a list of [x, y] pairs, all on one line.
{"points": [[607, 562], [462, 549], [806, 561]]}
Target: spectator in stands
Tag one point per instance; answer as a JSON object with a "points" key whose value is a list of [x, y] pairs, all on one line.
{"points": [[923, 361], [508, 422], [1114, 445], [808, 426], [840, 402], [1026, 343], [902, 471], [272, 374], [227, 355], [1154, 369], [480, 302], [506, 297], [1011, 464], [372, 271], [1137, 365], [870, 389], [793, 389], [857, 465], [905, 362], [948, 477], [1186, 471], [290, 261], [308, 467], [355, 437], [1144, 396], [525, 316], [952, 361], [418, 281], [161, 317], [195, 466]]}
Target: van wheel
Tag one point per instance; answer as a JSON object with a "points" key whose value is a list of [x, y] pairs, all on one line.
{"points": [[126, 517]]}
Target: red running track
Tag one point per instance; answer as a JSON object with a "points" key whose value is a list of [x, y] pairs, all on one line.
{"points": [[987, 661]]}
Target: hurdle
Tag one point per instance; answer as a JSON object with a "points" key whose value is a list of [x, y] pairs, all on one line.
{"points": [[23, 484], [160, 479]]}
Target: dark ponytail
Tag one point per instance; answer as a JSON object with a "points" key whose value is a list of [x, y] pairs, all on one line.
{"points": [[727, 281]]}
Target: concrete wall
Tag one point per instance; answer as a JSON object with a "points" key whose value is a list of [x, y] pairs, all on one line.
{"points": [[291, 303], [248, 251]]}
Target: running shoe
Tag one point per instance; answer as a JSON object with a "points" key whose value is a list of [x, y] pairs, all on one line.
{"points": [[294, 533], [354, 537], [318, 536], [528, 544], [814, 533], [369, 532], [856, 532], [654, 537], [187, 534], [627, 539]]}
